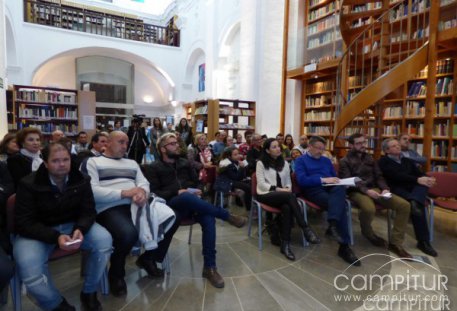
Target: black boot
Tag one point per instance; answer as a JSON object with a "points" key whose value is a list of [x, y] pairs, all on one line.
{"points": [[427, 248], [285, 249], [310, 235]]}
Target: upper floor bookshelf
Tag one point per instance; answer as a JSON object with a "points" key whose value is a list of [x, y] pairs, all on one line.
{"points": [[68, 15]]}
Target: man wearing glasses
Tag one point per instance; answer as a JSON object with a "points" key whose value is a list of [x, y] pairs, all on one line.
{"points": [[173, 178], [313, 171], [370, 190]]}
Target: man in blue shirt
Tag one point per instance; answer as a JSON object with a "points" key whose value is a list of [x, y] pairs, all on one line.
{"points": [[313, 171]]}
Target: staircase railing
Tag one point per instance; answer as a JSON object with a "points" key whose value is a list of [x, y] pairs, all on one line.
{"points": [[384, 44]]}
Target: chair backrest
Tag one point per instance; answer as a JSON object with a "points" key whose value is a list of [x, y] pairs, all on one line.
{"points": [[10, 207], [446, 184], [295, 187]]}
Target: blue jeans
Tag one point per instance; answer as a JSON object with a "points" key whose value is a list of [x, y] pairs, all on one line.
{"points": [[32, 263], [188, 205], [334, 200]]}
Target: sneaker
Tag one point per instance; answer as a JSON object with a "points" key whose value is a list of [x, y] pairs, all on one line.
{"points": [[89, 302], [213, 277], [236, 221], [150, 266], [64, 306]]}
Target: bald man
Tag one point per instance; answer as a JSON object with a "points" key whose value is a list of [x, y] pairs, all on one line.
{"points": [[56, 135], [117, 182]]}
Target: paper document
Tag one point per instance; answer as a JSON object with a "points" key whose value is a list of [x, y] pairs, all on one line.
{"points": [[345, 182]]}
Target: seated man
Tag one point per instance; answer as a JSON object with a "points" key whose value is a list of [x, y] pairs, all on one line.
{"points": [[407, 181], [55, 206], [405, 141], [98, 143], [369, 191], [117, 182], [172, 178], [6, 264], [313, 171]]}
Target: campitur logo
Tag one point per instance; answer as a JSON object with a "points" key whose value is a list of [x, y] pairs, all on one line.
{"points": [[407, 285]]}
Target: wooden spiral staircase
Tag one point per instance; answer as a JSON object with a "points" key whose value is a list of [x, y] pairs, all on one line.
{"points": [[393, 43]]}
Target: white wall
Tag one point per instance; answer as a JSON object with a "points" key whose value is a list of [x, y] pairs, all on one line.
{"points": [[3, 124]]}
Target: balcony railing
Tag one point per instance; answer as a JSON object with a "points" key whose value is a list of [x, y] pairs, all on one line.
{"points": [[100, 23]]}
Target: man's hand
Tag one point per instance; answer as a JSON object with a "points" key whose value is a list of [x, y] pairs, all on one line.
{"points": [[426, 181], [137, 194], [373, 194], [330, 180]]}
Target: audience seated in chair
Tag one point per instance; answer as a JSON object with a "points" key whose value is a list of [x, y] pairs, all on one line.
{"points": [[407, 181], [117, 183], [55, 206], [369, 191], [6, 264], [313, 171], [274, 187], [232, 175], [175, 180]]}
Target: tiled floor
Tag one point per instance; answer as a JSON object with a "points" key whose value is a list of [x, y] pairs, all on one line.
{"points": [[264, 280]]}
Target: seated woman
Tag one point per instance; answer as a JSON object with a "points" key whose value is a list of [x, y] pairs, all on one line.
{"points": [[8, 146], [28, 159], [232, 174], [274, 187], [294, 154], [201, 159]]}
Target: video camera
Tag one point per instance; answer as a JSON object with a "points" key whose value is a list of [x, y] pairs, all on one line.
{"points": [[138, 118]]}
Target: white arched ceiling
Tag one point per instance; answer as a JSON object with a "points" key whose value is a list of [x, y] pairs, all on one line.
{"points": [[149, 79], [196, 55], [11, 58]]}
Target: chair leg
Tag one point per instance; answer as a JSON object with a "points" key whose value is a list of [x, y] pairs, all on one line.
{"points": [[166, 266], [389, 224], [431, 218], [305, 218], [190, 235], [349, 216], [15, 285], [250, 219], [259, 212]]}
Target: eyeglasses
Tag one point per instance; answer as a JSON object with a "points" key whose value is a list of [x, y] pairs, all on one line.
{"points": [[173, 143], [363, 142]]}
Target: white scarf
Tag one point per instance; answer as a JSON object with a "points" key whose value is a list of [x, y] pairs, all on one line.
{"points": [[36, 159]]}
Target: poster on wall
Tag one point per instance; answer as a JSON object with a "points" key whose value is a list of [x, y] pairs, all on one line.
{"points": [[201, 78]]}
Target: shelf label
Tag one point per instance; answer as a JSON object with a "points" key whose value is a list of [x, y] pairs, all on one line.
{"points": [[310, 67]]}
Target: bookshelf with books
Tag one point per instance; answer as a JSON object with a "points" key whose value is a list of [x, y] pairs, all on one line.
{"points": [[236, 116], [205, 117], [48, 109]]}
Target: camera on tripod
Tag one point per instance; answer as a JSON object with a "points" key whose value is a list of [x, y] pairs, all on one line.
{"points": [[138, 118]]}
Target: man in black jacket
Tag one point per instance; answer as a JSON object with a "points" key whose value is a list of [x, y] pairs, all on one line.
{"points": [[370, 190], [6, 189], [406, 180], [55, 206], [172, 178]]}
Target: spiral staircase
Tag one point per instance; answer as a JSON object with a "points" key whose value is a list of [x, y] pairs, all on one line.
{"points": [[386, 46]]}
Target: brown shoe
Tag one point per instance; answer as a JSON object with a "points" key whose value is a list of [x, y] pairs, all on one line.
{"points": [[237, 221], [377, 241], [213, 277], [399, 251]]}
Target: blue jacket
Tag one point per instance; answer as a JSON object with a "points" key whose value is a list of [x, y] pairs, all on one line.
{"points": [[309, 170]]}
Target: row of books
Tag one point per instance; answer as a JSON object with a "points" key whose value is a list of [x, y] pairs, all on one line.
{"points": [[441, 129], [318, 115], [327, 23], [320, 87], [319, 101], [415, 129], [443, 108], [419, 147], [46, 112], [324, 38], [393, 112], [439, 149], [392, 130], [235, 126], [48, 128], [202, 110], [317, 130], [362, 21], [445, 66], [329, 8], [417, 88], [448, 24], [415, 108], [444, 86], [236, 111], [420, 33], [45, 96], [454, 152], [370, 131], [366, 7], [357, 81], [439, 167]]}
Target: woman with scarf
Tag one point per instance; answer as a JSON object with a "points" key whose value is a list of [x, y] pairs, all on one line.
{"points": [[274, 187], [28, 159]]}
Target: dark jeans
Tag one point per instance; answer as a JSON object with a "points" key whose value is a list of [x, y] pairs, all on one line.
{"points": [[188, 205], [6, 269], [118, 221], [246, 187], [334, 200], [419, 194], [287, 203]]}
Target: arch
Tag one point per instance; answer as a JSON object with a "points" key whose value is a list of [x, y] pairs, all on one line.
{"points": [[11, 51], [192, 61], [227, 35]]}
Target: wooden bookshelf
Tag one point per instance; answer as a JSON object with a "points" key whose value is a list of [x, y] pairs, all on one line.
{"points": [[205, 117], [236, 116]]}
